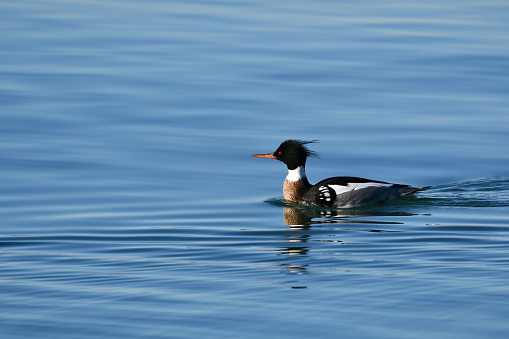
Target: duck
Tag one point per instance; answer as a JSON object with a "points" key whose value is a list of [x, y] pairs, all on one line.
{"points": [[335, 192]]}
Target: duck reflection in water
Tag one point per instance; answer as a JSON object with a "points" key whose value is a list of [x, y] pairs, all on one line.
{"points": [[303, 218]]}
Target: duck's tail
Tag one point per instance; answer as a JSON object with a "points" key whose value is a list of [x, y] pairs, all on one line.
{"points": [[411, 190]]}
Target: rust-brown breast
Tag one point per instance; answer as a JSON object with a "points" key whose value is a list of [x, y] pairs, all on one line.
{"points": [[293, 190]]}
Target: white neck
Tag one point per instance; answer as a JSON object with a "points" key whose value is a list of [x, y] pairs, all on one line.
{"points": [[296, 174]]}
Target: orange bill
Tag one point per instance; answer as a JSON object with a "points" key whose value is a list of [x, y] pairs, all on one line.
{"points": [[268, 156]]}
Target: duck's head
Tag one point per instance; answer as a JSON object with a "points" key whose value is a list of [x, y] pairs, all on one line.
{"points": [[292, 152]]}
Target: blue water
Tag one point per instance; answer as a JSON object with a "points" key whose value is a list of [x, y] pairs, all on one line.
{"points": [[130, 205]]}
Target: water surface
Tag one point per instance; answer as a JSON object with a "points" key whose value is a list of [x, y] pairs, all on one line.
{"points": [[131, 206]]}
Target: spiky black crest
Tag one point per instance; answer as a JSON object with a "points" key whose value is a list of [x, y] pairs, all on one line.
{"points": [[294, 152], [296, 144]]}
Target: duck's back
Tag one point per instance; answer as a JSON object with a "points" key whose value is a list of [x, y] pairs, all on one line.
{"points": [[353, 191]]}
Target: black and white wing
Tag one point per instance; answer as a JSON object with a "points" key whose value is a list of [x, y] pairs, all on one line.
{"points": [[353, 191]]}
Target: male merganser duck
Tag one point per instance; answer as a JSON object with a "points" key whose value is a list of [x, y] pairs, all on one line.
{"points": [[331, 192]]}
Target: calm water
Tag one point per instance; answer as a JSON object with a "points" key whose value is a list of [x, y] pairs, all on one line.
{"points": [[131, 208]]}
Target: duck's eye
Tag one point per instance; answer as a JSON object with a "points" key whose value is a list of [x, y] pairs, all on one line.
{"points": [[279, 153]]}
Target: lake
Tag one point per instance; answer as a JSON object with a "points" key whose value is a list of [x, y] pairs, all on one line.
{"points": [[131, 206]]}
